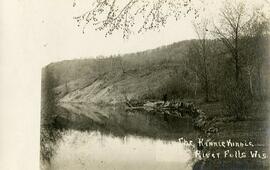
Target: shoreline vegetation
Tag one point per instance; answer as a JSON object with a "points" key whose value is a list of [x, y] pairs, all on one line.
{"points": [[161, 83]]}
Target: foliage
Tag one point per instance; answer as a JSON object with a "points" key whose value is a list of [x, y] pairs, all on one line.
{"points": [[133, 15]]}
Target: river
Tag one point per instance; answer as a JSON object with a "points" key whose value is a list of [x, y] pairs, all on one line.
{"points": [[108, 138], [101, 137]]}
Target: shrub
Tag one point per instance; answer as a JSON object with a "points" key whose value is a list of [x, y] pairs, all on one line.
{"points": [[237, 100]]}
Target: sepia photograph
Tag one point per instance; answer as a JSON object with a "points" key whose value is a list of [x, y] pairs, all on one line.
{"points": [[149, 84]]}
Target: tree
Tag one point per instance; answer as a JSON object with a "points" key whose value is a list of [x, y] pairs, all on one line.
{"points": [[201, 54], [255, 43], [239, 31], [233, 20], [133, 15]]}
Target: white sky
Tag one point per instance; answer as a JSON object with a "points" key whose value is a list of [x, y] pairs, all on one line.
{"points": [[34, 33], [46, 29]]}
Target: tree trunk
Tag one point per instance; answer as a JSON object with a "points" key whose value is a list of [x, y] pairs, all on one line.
{"points": [[196, 84], [206, 90], [236, 68], [260, 88], [236, 57], [250, 82], [205, 73]]}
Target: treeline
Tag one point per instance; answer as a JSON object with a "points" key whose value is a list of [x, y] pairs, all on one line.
{"points": [[228, 62], [233, 67], [169, 55]]}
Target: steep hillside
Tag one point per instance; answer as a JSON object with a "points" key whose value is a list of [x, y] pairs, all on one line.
{"points": [[113, 79], [69, 70], [121, 87], [177, 70]]}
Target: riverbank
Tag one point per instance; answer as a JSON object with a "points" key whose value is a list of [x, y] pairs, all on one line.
{"points": [[216, 124], [210, 118], [147, 119], [253, 128]]}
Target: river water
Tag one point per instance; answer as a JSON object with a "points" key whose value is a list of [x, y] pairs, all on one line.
{"points": [[108, 138], [92, 150]]}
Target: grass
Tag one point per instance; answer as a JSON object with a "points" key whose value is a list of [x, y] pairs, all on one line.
{"points": [[253, 128]]}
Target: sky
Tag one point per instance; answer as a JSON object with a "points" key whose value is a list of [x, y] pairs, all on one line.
{"points": [[48, 31], [59, 37], [34, 33]]}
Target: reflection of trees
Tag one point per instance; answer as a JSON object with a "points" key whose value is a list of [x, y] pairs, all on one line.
{"points": [[49, 130], [118, 121]]}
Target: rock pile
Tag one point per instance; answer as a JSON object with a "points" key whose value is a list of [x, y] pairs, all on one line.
{"points": [[180, 109]]}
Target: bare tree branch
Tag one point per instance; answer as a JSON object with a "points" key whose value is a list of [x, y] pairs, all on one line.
{"points": [[135, 16]]}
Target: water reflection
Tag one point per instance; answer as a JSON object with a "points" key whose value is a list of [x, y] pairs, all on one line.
{"points": [[121, 122], [101, 138], [92, 150]]}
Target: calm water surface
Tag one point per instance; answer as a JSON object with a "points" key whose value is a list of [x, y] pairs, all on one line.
{"points": [[120, 139], [92, 150]]}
